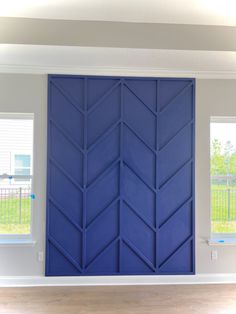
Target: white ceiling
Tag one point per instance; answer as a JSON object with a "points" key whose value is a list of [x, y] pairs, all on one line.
{"points": [[205, 12]]}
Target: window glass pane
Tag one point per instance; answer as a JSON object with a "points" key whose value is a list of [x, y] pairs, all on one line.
{"points": [[223, 177], [16, 156], [22, 161]]}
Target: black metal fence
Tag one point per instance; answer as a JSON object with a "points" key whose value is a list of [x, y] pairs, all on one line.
{"points": [[223, 204], [15, 205]]}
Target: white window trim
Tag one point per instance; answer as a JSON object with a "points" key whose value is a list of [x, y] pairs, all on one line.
{"points": [[222, 242], [13, 115], [21, 239], [221, 239], [16, 239], [224, 119]]}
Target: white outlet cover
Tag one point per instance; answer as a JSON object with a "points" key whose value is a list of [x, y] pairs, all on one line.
{"points": [[40, 256], [214, 255]]}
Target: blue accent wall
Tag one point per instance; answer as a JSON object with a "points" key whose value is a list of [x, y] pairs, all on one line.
{"points": [[120, 190]]}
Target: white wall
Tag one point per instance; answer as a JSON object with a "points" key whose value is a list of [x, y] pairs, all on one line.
{"points": [[28, 93]]}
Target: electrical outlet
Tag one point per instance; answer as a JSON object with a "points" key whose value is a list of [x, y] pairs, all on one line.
{"points": [[214, 255], [40, 256]]}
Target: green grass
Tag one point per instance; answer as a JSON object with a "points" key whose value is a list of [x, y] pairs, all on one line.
{"points": [[10, 220], [222, 220], [223, 227], [15, 228]]}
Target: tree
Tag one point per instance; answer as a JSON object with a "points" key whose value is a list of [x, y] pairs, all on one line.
{"points": [[229, 158], [217, 159]]}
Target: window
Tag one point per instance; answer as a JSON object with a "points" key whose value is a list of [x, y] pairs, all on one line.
{"points": [[223, 176], [16, 175], [22, 167]]}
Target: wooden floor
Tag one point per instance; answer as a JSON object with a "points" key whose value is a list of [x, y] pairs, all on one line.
{"points": [[187, 299]]}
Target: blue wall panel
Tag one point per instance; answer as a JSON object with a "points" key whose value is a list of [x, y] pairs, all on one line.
{"points": [[120, 191]]}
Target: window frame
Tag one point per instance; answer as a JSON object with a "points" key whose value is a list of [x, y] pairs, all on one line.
{"points": [[219, 235], [21, 239]]}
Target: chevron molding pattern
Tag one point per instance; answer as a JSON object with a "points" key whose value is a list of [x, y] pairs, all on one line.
{"points": [[120, 176]]}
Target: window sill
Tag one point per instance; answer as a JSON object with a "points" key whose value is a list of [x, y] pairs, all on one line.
{"points": [[17, 242], [222, 242]]}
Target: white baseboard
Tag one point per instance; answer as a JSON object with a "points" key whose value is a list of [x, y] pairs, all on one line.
{"points": [[30, 281]]}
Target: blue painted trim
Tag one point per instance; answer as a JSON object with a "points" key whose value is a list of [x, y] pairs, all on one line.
{"points": [[193, 177], [104, 77], [47, 259], [157, 113], [85, 166], [157, 171]]}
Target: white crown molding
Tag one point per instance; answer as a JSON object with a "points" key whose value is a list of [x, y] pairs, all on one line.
{"points": [[36, 59], [30, 281], [118, 71]]}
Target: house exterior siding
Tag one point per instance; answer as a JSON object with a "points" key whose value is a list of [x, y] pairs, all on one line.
{"points": [[16, 137]]}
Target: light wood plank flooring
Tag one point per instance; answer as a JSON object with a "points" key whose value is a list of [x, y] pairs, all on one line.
{"points": [[182, 299]]}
